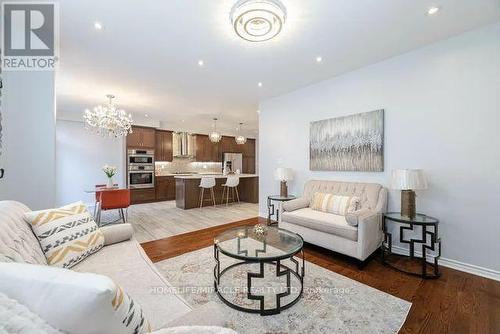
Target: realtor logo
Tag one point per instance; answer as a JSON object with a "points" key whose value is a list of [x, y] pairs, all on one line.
{"points": [[30, 36]]}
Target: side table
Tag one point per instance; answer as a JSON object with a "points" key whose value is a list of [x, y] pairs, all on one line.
{"points": [[271, 209], [428, 241]]}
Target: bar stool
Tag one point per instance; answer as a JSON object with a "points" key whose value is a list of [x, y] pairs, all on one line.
{"points": [[207, 183], [232, 183]]}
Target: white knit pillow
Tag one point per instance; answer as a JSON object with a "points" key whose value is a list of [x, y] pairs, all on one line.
{"points": [[67, 234], [73, 302], [18, 319]]}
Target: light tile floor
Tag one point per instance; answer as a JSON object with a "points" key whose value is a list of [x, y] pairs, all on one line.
{"points": [[159, 220]]}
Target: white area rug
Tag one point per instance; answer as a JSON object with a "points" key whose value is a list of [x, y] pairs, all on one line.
{"points": [[331, 303]]}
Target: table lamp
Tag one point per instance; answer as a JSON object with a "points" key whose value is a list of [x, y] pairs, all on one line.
{"points": [[283, 175], [408, 180]]}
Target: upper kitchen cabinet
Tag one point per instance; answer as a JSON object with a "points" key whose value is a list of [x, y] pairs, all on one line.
{"points": [[163, 149], [248, 149], [228, 145], [205, 150], [141, 137]]}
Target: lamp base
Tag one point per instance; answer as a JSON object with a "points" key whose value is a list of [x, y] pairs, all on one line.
{"points": [[283, 189], [408, 208]]}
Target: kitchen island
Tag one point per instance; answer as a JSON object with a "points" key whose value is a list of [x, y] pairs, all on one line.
{"points": [[187, 188]]}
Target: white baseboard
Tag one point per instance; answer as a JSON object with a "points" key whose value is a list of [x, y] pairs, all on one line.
{"points": [[457, 265]]}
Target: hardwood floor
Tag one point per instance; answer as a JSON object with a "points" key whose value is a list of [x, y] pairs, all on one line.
{"points": [[456, 303]]}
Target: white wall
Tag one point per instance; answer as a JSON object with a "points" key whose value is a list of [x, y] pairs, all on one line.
{"points": [[28, 152], [442, 108], [80, 156]]}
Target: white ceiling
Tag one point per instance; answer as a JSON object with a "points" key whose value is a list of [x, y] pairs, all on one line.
{"points": [[148, 52]]}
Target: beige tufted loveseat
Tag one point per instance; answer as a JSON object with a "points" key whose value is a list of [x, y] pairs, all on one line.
{"points": [[357, 235]]}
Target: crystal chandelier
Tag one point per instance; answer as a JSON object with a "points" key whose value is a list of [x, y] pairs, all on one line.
{"points": [[240, 139], [215, 136], [107, 120], [258, 20]]}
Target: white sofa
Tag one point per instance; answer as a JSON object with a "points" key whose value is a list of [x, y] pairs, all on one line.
{"points": [[125, 262], [357, 235]]}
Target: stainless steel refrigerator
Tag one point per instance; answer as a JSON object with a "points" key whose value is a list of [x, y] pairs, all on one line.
{"points": [[233, 162]]}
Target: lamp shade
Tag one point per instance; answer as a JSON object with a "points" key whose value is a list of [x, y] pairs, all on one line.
{"points": [[408, 179], [283, 174]]}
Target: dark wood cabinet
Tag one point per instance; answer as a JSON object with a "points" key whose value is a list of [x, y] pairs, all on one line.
{"points": [[141, 137], [165, 188], [205, 150], [163, 147], [142, 195]]}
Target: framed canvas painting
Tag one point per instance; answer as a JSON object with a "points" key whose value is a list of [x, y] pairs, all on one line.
{"points": [[348, 143]]}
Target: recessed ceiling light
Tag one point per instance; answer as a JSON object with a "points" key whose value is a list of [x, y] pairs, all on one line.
{"points": [[259, 84], [319, 59], [258, 111], [146, 115], [433, 10], [98, 25], [201, 62]]}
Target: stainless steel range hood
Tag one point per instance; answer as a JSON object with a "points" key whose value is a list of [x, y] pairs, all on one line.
{"points": [[183, 145]]}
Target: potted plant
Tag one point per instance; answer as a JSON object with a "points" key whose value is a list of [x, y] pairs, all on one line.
{"points": [[110, 171]]}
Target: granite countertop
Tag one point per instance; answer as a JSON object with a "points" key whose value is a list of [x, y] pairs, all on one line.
{"points": [[217, 176]]}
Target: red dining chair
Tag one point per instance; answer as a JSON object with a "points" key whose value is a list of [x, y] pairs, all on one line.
{"points": [[98, 194], [114, 200]]}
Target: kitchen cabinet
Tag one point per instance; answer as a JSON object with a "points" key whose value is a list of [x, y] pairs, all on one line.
{"points": [[165, 188], [141, 137], [205, 150], [142, 195], [163, 145]]}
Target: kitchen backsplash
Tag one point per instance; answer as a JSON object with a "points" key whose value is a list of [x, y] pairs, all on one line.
{"points": [[179, 165]]}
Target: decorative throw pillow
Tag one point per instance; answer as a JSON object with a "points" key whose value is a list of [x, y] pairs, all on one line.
{"points": [[67, 235], [17, 318], [339, 205], [73, 302]]}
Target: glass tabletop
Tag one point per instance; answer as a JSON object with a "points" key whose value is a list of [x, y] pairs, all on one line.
{"points": [[418, 219], [246, 243], [282, 198]]}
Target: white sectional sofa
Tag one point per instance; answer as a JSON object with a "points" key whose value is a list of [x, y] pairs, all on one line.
{"points": [[125, 262], [357, 235]]}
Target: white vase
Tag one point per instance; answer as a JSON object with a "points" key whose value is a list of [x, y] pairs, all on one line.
{"points": [[110, 182]]}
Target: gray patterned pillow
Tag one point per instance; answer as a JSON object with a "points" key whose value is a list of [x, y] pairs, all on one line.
{"points": [[67, 234]]}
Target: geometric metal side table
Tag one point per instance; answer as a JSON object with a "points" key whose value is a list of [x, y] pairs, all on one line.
{"points": [[408, 234], [271, 210]]}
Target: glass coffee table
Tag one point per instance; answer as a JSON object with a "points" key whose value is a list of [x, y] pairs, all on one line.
{"points": [[259, 272]]}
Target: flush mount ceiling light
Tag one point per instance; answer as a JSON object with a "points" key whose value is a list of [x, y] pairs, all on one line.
{"points": [[258, 20], [107, 120], [215, 136]]}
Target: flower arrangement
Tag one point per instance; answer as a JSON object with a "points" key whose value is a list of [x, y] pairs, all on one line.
{"points": [[110, 171]]}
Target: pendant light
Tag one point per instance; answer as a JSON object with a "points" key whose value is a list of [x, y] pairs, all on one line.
{"points": [[240, 139], [215, 136]]}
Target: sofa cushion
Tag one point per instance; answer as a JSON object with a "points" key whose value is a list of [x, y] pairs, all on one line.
{"points": [[17, 241], [73, 302], [321, 221], [67, 234], [128, 265]]}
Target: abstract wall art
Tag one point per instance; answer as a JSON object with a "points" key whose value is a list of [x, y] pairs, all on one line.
{"points": [[348, 143]]}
